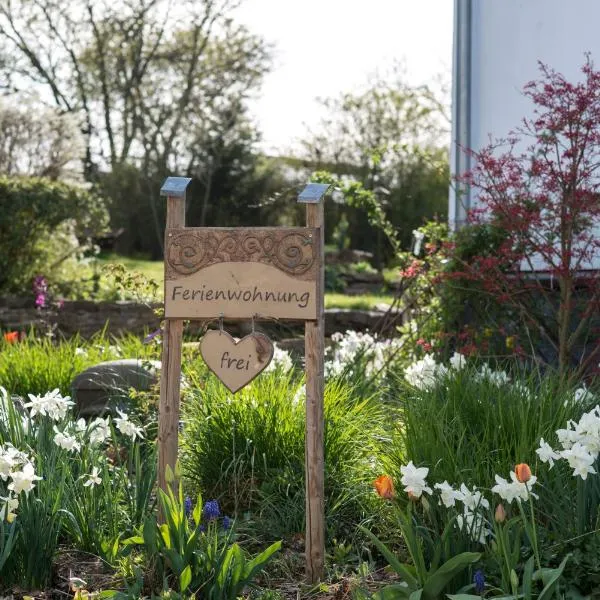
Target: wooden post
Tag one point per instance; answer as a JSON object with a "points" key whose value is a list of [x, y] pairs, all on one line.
{"points": [[170, 377], [314, 364]]}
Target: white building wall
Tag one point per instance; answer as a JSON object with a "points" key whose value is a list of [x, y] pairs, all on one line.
{"points": [[497, 46]]}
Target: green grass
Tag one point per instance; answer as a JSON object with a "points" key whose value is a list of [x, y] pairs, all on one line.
{"points": [[363, 302], [38, 365], [248, 451], [154, 269]]}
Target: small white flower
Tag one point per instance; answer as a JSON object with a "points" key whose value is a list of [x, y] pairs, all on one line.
{"points": [[514, 490], [472, 499], [53, 405], [474, 523], [413, 480], [581, 395], [23, 481], [99, 431], [567, 437], [458, 361], [93, 478], [546, 454], [580, 460], [497, 378], [65, 441], [425, 373], [126, 427], [448, 494], [281, 360]]}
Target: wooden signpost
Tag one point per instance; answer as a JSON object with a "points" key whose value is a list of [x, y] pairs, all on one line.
{"points": [[247, 273]]}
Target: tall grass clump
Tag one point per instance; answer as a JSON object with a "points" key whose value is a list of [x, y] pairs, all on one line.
{"points": [[472, 420], [248, 450]]}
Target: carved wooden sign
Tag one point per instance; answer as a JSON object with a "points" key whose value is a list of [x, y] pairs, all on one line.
{"points": [[236, 362], [240, 273]]}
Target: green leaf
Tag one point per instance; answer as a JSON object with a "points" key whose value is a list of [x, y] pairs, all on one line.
{"points": [[197, 513], [398, 567], [150, 537], [258, 562], [552, 581], [435, 585], [528, 578], [463, 597], [185, 579], [166, 536], [134, 540], [416, 595]]}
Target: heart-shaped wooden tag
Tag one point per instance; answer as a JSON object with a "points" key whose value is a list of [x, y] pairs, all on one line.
{"points": [[236, 362]]}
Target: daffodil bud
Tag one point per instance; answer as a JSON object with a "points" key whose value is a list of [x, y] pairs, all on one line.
{"points": [[514, 581], [500, 514]]}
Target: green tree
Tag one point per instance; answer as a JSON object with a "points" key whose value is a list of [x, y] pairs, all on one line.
{"points": [[153, 84], [391, 138]]}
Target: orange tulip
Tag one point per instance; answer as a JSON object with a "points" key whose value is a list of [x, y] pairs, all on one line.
{"points": [[385, 487], [11, 337], [523, 472]]}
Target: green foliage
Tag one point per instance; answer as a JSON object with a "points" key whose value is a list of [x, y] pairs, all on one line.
{"points": [[426, 579], [63, 507], [467, 427], [385, 138], [36, 365], [33, 210], [197, 555], [249, 451]]}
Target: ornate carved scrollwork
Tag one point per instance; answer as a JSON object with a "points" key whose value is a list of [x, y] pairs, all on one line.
{"points": [[290, 250]]}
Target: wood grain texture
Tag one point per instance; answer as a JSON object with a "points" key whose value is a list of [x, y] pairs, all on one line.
{"points": [[314, 452], [240, 290], [236, 362], [170, 378], [288, 249]]}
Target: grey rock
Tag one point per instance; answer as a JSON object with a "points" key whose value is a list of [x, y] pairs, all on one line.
{"points": [[94, 388]]}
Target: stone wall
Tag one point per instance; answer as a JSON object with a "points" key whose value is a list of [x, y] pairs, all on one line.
{"points": [[87, 318]]}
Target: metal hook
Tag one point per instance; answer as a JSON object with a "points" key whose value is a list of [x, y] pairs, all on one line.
{"points": [[253, 324], [221, 315]]}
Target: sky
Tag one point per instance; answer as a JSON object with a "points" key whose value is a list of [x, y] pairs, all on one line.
{"points": [[326, 47]]}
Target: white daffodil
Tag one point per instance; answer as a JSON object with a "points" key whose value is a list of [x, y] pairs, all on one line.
{"points": [[23, 481], [413, 480], [580, 460], [126, 427], [448, 495], [472, 499], [99, 431], [458, 361], [282, 360], [497, 378], [7, 464], [65, 441], [514, 490], [474, 524], [546, 454], [425, 373], [569, 436], [53, 405], [93, 478]]}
